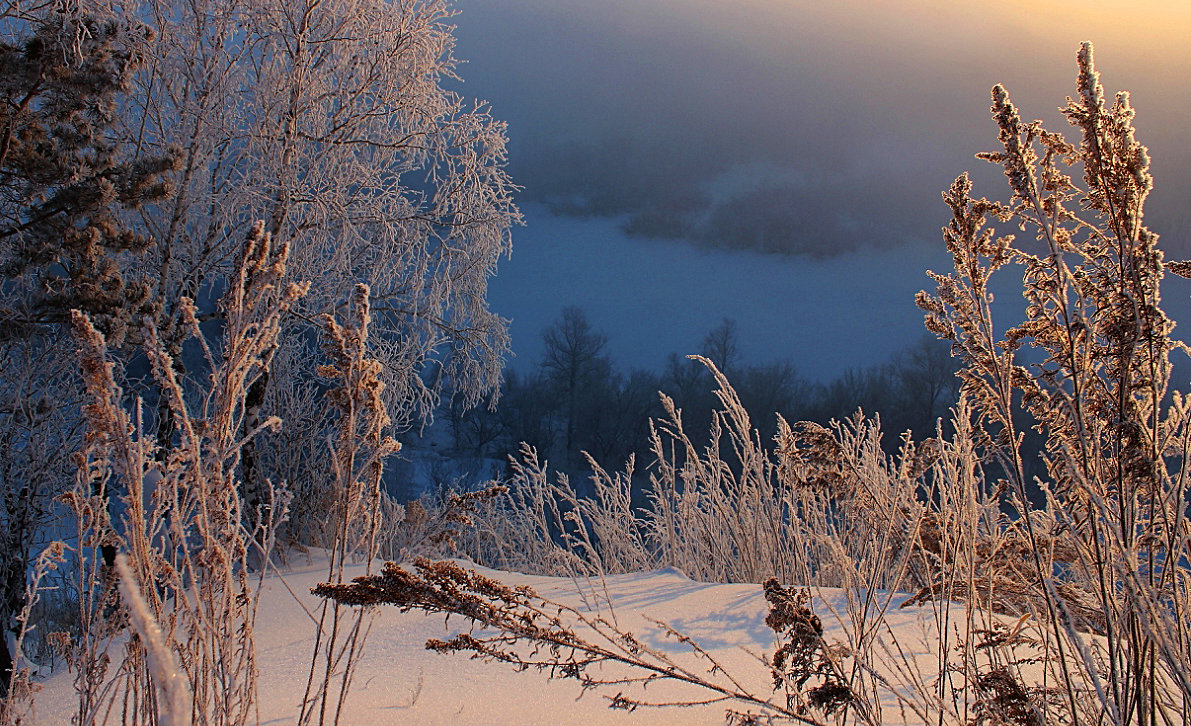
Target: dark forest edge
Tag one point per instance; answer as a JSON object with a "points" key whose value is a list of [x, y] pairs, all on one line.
{"points": [[576, 401]]}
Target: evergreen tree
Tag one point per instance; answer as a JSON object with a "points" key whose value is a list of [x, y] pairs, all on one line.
{"points": [[64, 186], [63, 183]]}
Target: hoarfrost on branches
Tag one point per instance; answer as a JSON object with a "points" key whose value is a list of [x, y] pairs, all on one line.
{"points": [[329, 119]]}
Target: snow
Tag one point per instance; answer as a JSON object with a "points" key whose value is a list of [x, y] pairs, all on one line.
{"points": [[399, 681]]}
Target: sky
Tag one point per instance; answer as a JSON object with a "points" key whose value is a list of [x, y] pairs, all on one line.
{"points": [[805, 139]]}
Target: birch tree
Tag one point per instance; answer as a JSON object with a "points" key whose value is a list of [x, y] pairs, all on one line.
{"points": [[330, 120]]}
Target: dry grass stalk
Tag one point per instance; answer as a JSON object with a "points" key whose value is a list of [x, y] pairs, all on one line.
{"points": [[525, 623], [166, 673], [358, 454], [16, 707], [431, 527], [181, 525], [1111, 542]]}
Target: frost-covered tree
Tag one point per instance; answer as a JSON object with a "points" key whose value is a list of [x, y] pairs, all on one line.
{"points": [[64, 181], [331, 120], [38, 421], [721, 345]]}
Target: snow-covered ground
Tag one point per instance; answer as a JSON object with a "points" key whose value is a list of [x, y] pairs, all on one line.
{"points": [[400, 682]]}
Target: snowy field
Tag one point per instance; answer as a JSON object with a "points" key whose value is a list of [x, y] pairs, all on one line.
{"points": [[400, 682]]}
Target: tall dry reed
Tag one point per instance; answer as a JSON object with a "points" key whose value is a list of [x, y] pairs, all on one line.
{"points": [[176, 516]]}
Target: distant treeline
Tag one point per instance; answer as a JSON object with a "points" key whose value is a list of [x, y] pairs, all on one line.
{"points": [[576, 399]]}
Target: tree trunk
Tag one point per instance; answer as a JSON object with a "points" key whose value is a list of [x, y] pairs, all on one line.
{"points": [[252, 485]]}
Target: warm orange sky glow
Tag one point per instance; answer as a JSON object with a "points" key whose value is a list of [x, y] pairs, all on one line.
{"points": [[861, 91], [935, 50]]}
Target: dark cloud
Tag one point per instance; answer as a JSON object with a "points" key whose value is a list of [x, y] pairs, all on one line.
{"points": [[801, 127]]}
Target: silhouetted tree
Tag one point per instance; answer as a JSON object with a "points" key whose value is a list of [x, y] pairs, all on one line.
{"points": [[869, 389], [772, 389], [476, 429], [525, 413], [721, 346], [577, 370], [616, 426], [691, 387], [926, 384]]}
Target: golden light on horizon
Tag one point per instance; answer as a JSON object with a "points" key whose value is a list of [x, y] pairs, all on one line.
{"points": [[1106, 18], [1109, 21], [1143, 42]]}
